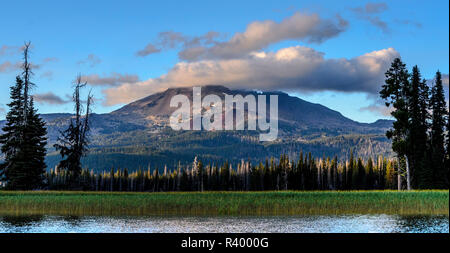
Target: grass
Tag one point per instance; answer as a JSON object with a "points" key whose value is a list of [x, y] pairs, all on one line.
{"points": [[431, 202]]}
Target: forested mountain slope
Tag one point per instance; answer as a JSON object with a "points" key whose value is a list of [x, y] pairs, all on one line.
{"points": [[138, 134]]}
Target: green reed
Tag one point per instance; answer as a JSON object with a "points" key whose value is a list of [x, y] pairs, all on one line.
{"points": [[431, 202]]}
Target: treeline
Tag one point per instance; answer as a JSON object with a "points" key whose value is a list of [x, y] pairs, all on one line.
{"points": [[421, 125], [304, 173]]}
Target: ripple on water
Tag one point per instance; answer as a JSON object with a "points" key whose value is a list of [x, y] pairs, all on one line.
{"points": [[290, 224]]}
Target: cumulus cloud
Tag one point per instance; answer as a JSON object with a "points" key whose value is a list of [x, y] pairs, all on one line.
{"points": [[92, 60], [2, 110], [258, 35], [289, 69], [49, 98], [114, 79]]}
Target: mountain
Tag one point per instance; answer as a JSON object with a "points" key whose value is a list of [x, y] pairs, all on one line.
{"points": [[293, 111], [138, 134]]}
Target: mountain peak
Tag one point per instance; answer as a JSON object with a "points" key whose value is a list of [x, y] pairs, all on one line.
{"points": [[293, 111]]}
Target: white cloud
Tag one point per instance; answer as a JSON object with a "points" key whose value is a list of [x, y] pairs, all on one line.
{"points": [[289, 69], [258, 35]]}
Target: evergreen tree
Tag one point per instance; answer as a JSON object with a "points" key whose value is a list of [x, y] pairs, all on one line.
{"points": [[395, 92], [422, 176], [12, 138], [350, 171], [24, 138], [34, 151], [439, 117], [370, 179], [360, 177], [447, 160]]}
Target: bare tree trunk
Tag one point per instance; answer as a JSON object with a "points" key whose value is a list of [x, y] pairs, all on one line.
{"points": [[408, 175], [26, 78]]}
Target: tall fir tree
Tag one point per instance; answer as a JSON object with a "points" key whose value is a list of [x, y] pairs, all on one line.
{"points": [[23, 143], [11, 139], [447, 160], [418, 100], [395, 93], [439, 121], [34, 150]]}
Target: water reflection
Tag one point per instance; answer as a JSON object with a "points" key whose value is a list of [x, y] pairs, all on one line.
{"points": [[415, 224], [21, 221], [72, 220], [301, 224]]}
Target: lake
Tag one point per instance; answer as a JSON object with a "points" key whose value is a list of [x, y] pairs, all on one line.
{"points": [[288, 224]]}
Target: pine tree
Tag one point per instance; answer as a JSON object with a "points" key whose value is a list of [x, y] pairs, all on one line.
{"points": [[447, 160], [34, 147], [350, 171], [439, 117], [418, 112], [395, 92], [12, 138], [370, 181], [360, 175], [24, 138]]}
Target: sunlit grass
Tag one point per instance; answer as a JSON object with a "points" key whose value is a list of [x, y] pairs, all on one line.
{"points": [[225, 203]]}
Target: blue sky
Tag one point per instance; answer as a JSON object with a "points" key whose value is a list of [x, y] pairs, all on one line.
{"points": [[101, 40]]}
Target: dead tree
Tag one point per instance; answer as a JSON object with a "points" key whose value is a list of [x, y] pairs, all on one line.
{"points": [[73, 142]]}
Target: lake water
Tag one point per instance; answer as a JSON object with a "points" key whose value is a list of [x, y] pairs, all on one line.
{"points": [[300, 224]]}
